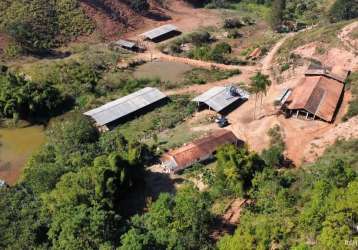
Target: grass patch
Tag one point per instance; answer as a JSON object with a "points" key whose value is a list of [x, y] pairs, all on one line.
{"points": [[352, 83], [148, 126], [202, 76], [252, 10], [264, 42], [326, 34], [345, 150]]}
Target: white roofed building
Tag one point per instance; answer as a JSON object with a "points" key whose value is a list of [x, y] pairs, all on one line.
{"points": [[220, 98], [161, 33], [113, 111]]}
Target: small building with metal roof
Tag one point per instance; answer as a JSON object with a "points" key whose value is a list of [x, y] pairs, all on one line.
{"points": [[219, 98], [161, 33], [125, 44], [199, 150], [128, 45], [107, 115]]}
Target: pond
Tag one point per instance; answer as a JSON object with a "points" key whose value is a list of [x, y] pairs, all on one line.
{"points": [[166, 71], [17, 145]]}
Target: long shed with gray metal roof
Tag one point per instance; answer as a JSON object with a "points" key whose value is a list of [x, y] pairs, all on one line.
{"points": [[219, 98], [161, 33], [125, 106], [125, 44]]}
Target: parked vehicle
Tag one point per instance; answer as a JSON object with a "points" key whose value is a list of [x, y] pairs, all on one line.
{"points": [[222, 121]]}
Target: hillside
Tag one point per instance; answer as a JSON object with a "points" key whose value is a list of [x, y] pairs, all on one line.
{"points": [[70, 20]]}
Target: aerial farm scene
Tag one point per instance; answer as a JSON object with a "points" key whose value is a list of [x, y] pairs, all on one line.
{"points": [[179, 124]]}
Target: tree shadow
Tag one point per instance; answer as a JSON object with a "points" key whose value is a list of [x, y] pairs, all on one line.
{"points": [[219, 228], [50, 54], [158, 183], [63, 108], [157, 16], [137, 200]]}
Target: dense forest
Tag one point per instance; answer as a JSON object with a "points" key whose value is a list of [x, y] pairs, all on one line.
{"points": [[89, 190], [71, 197]]}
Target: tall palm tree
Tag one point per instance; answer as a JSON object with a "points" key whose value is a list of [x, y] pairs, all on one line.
{"points": [[259, 86]]}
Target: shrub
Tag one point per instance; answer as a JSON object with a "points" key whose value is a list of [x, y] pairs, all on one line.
{"points": [[199, 38], [233, 34], [20, 97], [219, 51], [12, 50], [285, 67], [233, 23], [139, 6]]}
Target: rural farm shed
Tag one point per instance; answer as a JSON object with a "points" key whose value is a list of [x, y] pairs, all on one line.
{"points": [[108, 114], [197, 151], [126, 44], [315, 97], [219, 98], [161, 33]]}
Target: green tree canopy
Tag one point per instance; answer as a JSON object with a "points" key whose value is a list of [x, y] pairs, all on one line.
{"points": [[172, 222], [24, 98]]}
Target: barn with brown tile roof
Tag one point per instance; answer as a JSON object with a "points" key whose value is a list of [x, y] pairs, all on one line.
{"points": [[316, 97], [197, 151]]}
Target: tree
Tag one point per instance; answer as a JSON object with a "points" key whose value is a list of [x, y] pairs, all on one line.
{"points": [[140, 6], [277, 13], [235, 169], [82, 227], [172, 222], [26, 99], [21, 223], [340, 224], [259, 85], [343, 10]]}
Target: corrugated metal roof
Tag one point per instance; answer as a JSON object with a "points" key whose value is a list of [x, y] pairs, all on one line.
{"points": [[318, 95], [218, 98], [185, 156], [285, 94], [162, 30], [125, 105], [124, 43]]}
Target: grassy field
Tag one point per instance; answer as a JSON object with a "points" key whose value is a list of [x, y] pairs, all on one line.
{"points": [[148, 126], [252, 10], [345, 150], [322, 34]]}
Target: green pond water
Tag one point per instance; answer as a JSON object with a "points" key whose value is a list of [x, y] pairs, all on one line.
{"points": [[166, 71], [16, 147]]}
